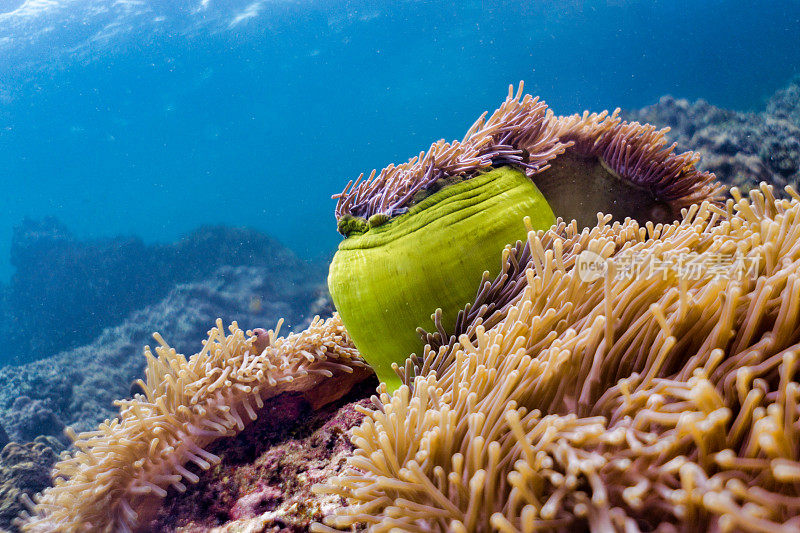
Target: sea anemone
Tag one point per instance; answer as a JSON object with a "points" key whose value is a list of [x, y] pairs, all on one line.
{"points": [[122, 470], [383, 279], [438, 224], [420, 235], [661, 394]]}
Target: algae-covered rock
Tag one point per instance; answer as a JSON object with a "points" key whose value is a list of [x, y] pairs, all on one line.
{"points": [[264, 480]]}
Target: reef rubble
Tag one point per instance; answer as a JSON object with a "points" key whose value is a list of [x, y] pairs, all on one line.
{"points": [[263, 483]]}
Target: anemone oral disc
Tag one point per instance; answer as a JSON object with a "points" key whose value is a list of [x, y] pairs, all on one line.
{"points": [[578, 187], [387, 281]]}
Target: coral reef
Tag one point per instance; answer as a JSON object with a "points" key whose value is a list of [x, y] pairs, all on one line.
{"points": [[660, 400], [660, 394], [79, 386], [264, 479], [742, 149], [398, 262], [785, 103], [186, 405], [28, 419], [54, 271]]}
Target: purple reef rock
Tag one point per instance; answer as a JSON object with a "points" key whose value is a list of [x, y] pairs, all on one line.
{"points": [[263, 483]]}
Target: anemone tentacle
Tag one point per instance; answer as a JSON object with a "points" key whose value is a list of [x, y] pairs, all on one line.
{"points": [[519, 132], [640, 154]]}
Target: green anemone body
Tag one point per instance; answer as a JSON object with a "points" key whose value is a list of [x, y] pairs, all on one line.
{"points": [[387, 281]]}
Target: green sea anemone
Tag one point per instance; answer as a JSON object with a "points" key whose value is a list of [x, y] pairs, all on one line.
{"points": [[420, 235], [407, 261]]}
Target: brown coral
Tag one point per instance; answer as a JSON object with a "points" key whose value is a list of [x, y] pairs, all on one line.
{"points": [[123, 469], [659, 400]]}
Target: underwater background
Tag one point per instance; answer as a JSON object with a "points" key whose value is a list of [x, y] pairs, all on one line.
{"points": [[164, 163], [150, 118]]}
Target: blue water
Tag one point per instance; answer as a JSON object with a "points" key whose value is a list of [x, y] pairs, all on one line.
{"points": [[151, 118]]}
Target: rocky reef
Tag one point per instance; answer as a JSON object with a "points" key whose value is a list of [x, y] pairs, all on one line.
{"points": [[80, 287], [25, 469], [741, 149]]}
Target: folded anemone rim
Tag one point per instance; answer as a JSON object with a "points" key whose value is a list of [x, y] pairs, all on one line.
{"points": [[525, 134]]}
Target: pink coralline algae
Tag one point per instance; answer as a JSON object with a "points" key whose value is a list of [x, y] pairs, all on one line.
{"points": [[263, 483]]}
